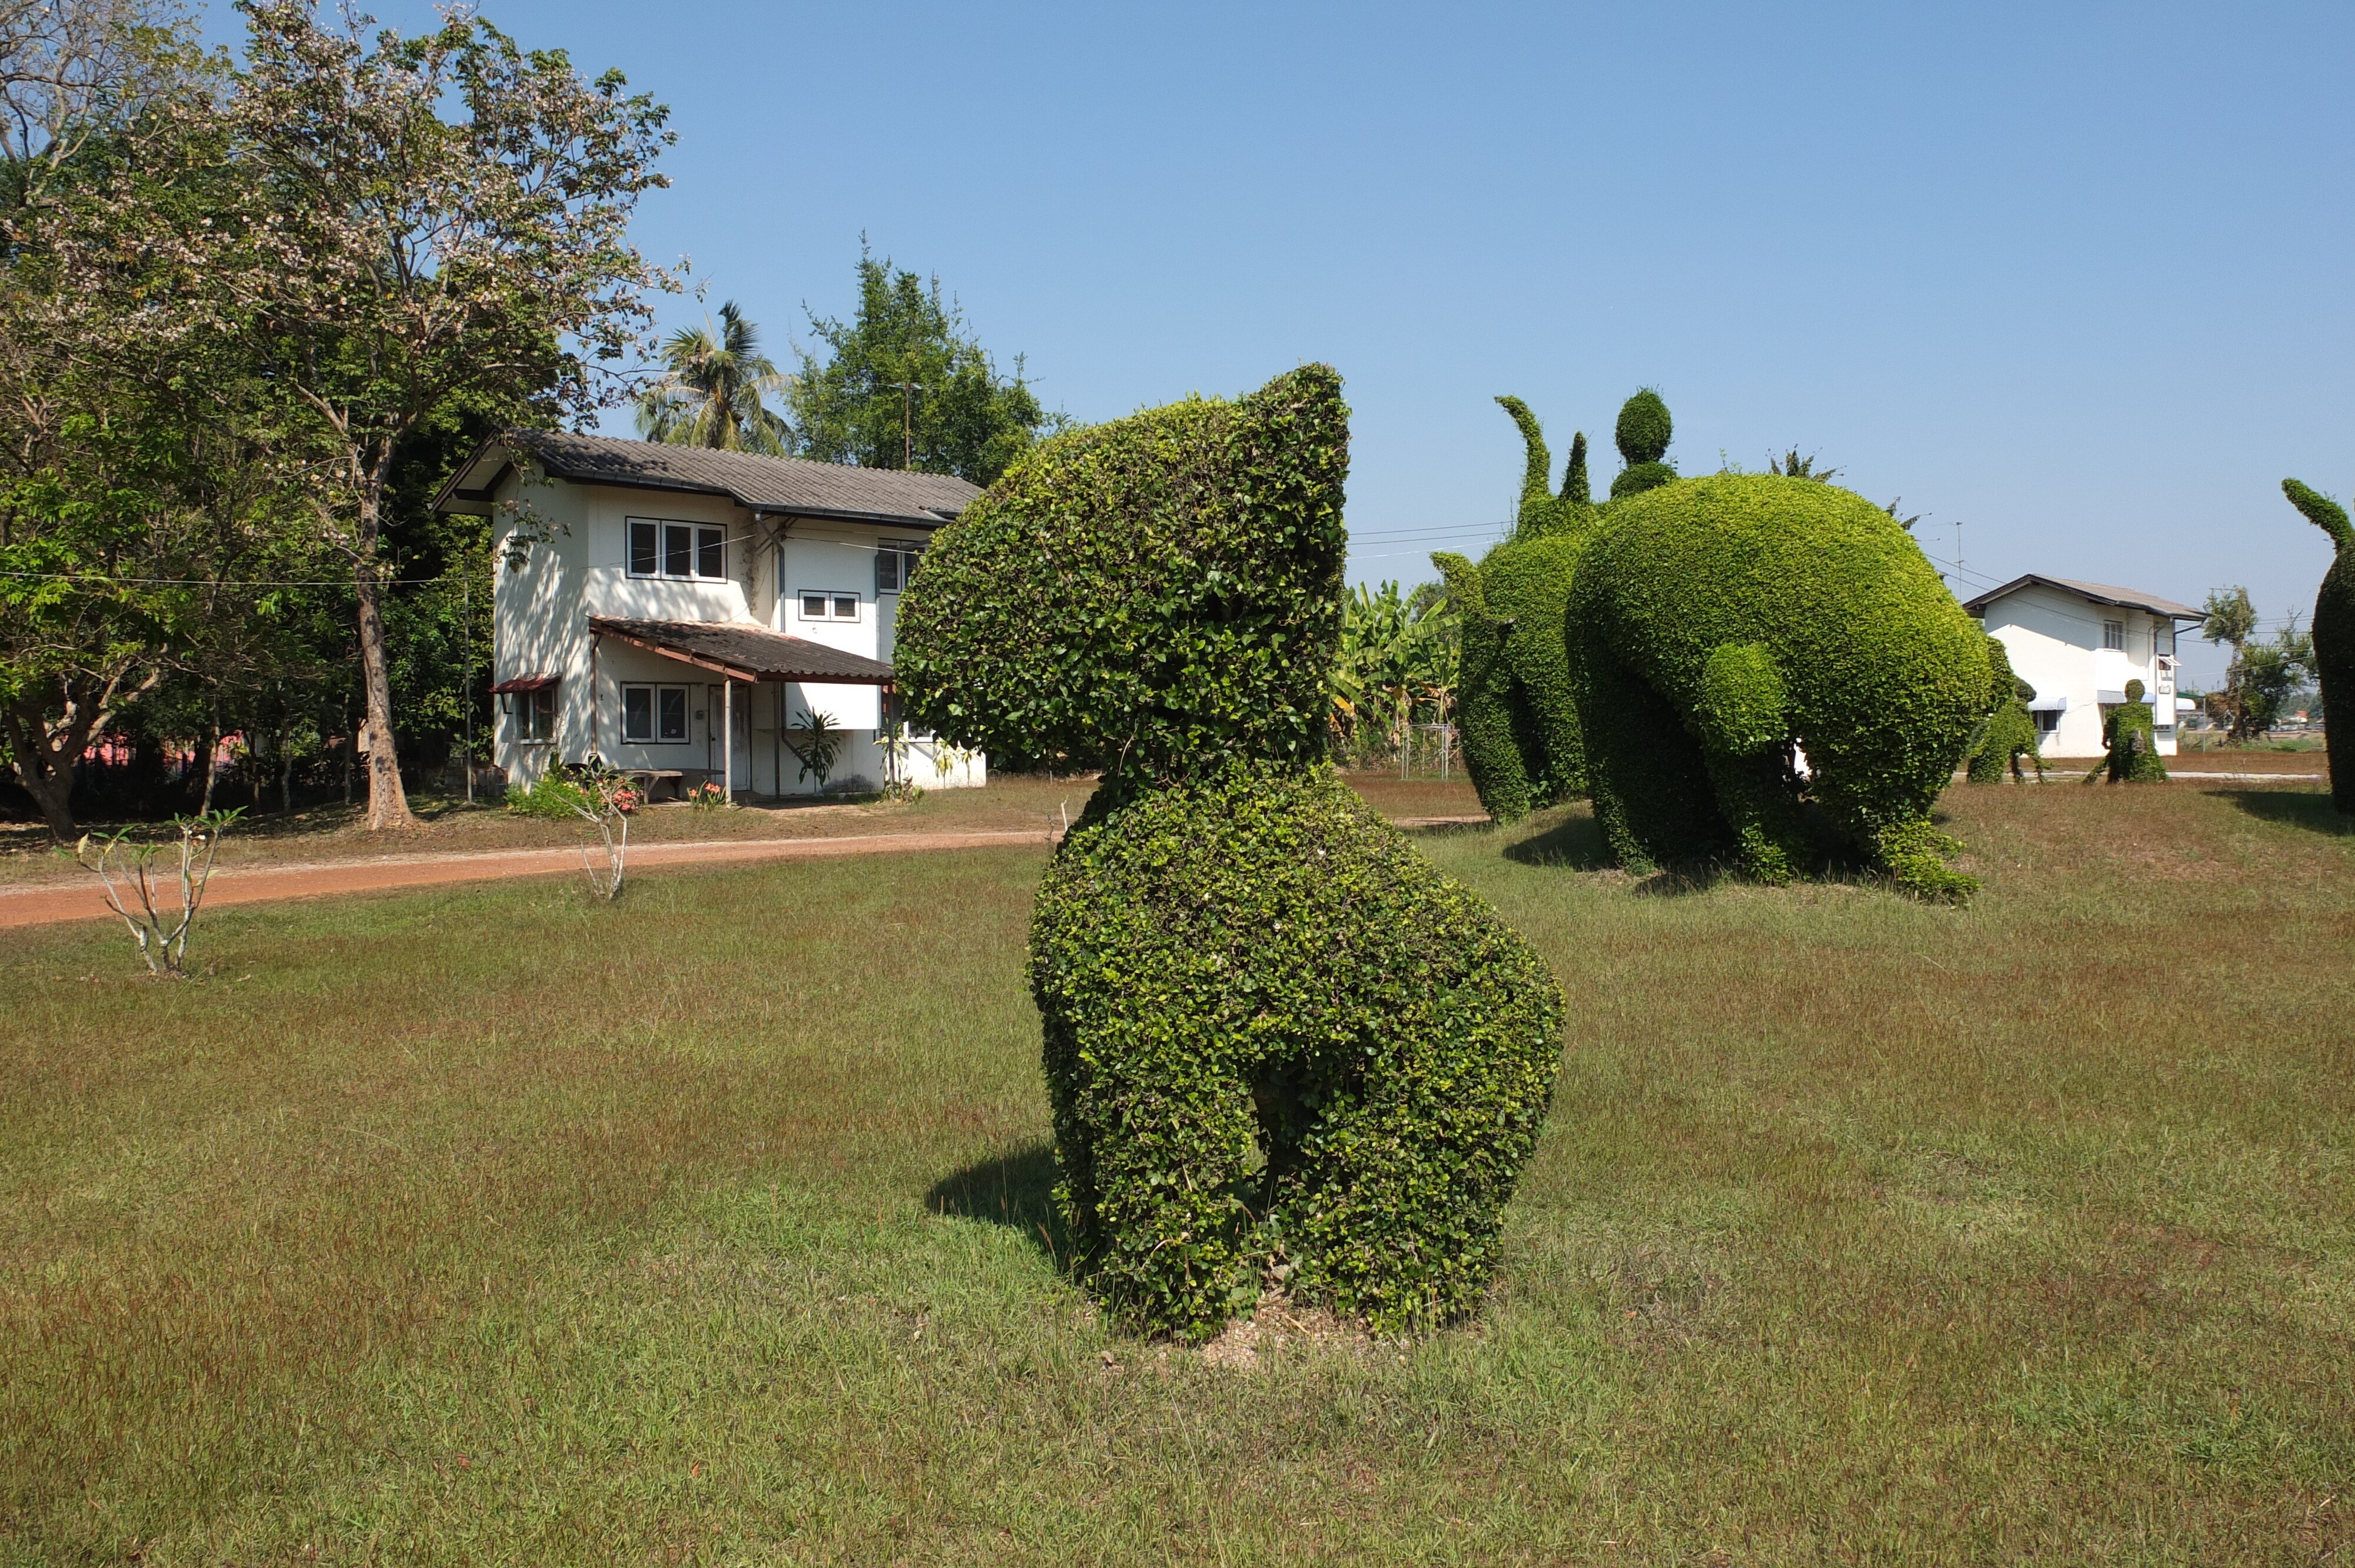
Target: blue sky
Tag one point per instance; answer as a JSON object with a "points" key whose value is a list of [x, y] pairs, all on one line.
{"points": [[2075, 276]]}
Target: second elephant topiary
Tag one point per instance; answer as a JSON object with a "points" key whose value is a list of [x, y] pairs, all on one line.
{"points": [[1721, 627], [2334, 637], [2009, 732]]}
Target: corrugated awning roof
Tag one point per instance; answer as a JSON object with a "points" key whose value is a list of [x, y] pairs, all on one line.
{"points": [[746, 652], [778, 484], [2097, 593], [523, 684]]}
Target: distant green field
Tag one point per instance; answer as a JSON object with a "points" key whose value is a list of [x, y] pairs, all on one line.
{"points": [[487, 1225]]}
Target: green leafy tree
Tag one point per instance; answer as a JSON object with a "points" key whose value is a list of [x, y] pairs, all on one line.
{"points": [[716, 391], [419, 223], [904, 385], [2261, 675]]}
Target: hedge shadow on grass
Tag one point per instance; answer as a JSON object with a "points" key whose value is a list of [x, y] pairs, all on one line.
{"points": [[1015, 1190], [1574, 843], [2293, 808]]}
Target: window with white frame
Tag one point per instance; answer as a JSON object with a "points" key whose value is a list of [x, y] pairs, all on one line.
{"points": [[692, 551], [2047, 720], [895, 562], [830, 606], [653, 714], [535, 713], [2113, 635]]}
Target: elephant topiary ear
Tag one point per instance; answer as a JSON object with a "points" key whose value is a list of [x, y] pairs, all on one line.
{"points": [[1645, 429], [1147, 596]]}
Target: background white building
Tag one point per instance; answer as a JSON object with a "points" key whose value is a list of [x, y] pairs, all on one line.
{"points": [[2079, 644], [684, 611]]}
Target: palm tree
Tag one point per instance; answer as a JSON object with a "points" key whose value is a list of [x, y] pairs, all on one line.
{"points": [[715, 393]]}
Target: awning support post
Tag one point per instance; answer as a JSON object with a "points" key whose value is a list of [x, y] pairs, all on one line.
{"points": [[728, 741]]}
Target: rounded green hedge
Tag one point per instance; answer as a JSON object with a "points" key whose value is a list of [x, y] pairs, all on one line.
{"points": [[1282, 1047], [1718, 623], [1645, 429], [2334, 637], [1142, 596]]}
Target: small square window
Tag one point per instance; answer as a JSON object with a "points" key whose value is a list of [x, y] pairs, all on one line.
{"points": [[535, 714], [845, 606], [2047, 720], [895, 562], [2113, 634], [813, 607]]}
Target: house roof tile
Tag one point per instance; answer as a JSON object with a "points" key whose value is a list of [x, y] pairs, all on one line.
{"points": [[746, 652], [2099, 593], [794, 485]]}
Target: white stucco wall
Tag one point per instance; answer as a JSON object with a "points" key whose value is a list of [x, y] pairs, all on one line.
{"points": [[540, 624], [2054, 639]]}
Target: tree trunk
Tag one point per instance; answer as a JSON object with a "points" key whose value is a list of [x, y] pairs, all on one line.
{"points": [[286, 772], [351, 741], [388, 804], [46, 779], [212, 755]]}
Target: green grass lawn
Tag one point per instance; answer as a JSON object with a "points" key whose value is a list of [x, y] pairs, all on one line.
{"points": [[482, 1224]]}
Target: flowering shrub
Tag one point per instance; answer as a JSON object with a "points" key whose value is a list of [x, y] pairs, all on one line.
{"points": [[707, 796]]}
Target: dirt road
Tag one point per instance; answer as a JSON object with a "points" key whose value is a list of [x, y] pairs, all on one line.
{"points": [[47, 903]]}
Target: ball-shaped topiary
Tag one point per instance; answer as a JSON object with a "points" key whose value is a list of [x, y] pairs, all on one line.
{"points": [[2334, 637], [1280, 1044], [1644, 432], [1645, 429], [1235, 961], [1719, 623], [1142, 596]]}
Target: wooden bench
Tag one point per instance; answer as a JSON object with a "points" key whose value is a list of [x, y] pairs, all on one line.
{"points": [[652, 779]]}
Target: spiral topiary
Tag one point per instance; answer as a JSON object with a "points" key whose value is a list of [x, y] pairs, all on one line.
{"points": [[1279, 1046], [2334, 637], [1720, 624]]}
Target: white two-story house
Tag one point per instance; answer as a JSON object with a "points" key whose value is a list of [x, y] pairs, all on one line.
{"points": [[2079, 644], [692, 613]]}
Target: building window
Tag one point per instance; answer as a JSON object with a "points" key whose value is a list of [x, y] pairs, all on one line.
{"points": [[535, 713], [2113, 635], [829, 606], [692, 551], [2047, 720], [895, 563], [653, 715]]}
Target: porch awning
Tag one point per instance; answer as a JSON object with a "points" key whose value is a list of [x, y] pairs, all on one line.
{"points": [[523, 684], [2110, 699], [2049, 705], [745, 653]]}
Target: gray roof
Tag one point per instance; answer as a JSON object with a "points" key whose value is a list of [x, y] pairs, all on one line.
{"points": [[792, 485], [2099, 593], [745, 652]]}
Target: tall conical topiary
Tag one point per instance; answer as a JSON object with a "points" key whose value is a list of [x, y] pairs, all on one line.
{"points": [[1644, 432], [2334, 637]]}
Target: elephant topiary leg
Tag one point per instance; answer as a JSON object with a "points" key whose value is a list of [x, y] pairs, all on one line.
{"points": [[1745, 740], [1649, 783]]}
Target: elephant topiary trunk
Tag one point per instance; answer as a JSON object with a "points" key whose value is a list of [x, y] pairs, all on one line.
{"points": [[2334, 637]]}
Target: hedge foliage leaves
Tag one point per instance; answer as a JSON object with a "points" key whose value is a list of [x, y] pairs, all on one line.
{"points": [[2334, 637], [1144, 596], [1252, 967], [1718, 623], [1279, 1046]]}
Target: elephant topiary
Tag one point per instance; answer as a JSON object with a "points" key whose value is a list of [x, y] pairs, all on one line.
{"points": [[1518, 720], [2010, 731], [1719, 628], [2334, 637], [1279, 1046]]}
